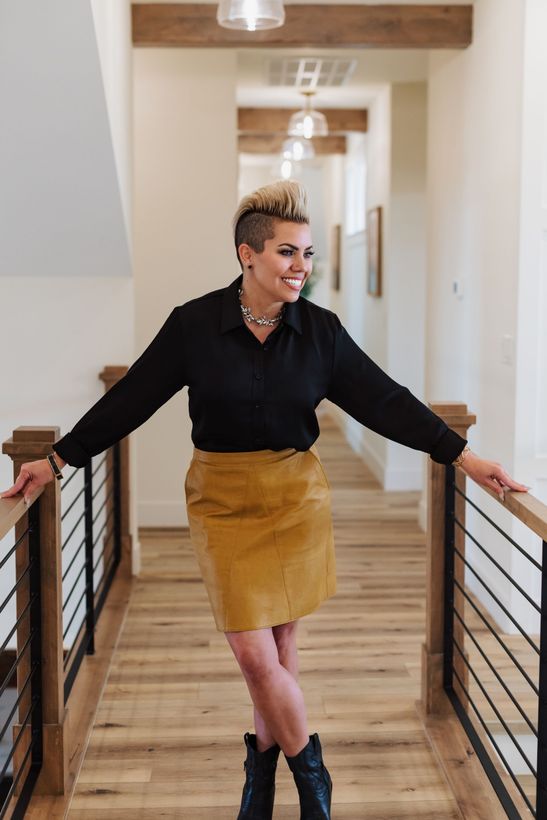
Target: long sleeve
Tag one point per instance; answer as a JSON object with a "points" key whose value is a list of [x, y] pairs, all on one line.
{"points": [[151, 380], [374, 399]]}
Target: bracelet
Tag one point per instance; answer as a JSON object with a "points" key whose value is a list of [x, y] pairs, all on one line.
{"points": [[54, 466], [457, 461]]}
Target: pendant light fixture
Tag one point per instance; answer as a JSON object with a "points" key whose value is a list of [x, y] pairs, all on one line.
{"points": [[283, 168], [298, 148], [308, 122], [251, 15]]}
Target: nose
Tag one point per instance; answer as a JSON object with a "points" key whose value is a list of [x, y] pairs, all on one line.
{"points": [[299, 262]]}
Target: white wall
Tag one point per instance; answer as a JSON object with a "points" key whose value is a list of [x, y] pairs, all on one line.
{"points": [[486, 223], [61, 211], [66, 296], [531, 351], [390, 328], [473, 218], [530, 445], [406, 268], [112, 20], [185, 186], [350, 302]]}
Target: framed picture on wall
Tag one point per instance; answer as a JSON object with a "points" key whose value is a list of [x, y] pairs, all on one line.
{"points": [[374, 251], [336, 238]]}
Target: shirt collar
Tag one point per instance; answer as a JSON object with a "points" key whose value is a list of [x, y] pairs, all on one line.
{"points": [[231, 315]]}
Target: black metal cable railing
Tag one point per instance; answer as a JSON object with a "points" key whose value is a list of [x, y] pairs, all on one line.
{"points": [[503, 753], [21, 759], [91, 554]]}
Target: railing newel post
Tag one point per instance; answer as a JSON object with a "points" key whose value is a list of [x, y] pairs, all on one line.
{"points": [[120, 451], [89, 574], [434, 699]]}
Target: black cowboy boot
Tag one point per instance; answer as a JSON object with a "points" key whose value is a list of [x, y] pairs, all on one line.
{"points": [[258, 791], [313, 781]]}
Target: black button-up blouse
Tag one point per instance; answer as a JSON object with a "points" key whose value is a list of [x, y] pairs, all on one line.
{"points": [[245, 394]]}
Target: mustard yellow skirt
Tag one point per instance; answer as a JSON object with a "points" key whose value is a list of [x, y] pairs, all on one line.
{"points": [[261, 528]]}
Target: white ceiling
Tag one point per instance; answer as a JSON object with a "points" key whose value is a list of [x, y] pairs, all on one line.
{"points": [[374, 68]]}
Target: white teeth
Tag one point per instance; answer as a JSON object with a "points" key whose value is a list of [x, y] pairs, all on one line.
{"points": [[294, 282]]}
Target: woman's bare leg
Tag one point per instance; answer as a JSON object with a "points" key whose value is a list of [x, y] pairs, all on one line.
{"points": [[285, 639], [273, 689]]}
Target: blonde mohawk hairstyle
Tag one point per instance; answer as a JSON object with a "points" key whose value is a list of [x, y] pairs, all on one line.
{"points": [[254, 220]]}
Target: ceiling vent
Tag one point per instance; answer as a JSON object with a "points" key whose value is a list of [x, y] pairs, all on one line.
{"points": [[309, 72]]}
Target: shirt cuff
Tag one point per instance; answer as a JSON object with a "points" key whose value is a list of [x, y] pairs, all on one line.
{"points": [[71, 451], [448, 447]]}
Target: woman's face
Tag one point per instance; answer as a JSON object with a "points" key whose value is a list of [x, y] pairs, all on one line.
{"points": [[285, 263]]}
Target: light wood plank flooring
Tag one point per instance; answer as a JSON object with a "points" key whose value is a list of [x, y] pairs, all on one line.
{"points": [[168, 736]]}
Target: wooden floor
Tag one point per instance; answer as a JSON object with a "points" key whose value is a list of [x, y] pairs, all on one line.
{"points": [[168, 737]]}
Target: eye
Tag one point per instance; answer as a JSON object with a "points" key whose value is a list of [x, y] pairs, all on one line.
{"points": [[309, 253]]}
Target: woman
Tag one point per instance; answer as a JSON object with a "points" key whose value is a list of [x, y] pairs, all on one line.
{"points": [[258, 358]]}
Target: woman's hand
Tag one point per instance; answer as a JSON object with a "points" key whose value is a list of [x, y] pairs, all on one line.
{"points": [[490, 474], [33, 474]]}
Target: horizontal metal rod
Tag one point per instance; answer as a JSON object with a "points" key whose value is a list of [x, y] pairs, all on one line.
{"points": [[523, 672], [499, 603], [498, 566], [496, 673]]}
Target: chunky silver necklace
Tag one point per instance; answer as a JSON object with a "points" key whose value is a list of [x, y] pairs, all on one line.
{"points": [[262, 320]]}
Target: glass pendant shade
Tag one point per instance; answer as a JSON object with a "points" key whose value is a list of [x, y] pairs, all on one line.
{"points": [[308, 122], [286, 169], [297, 148], [251, 15], [283, 168]]}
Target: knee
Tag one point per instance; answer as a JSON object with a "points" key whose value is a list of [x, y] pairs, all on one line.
{"points": [[256, 668]]}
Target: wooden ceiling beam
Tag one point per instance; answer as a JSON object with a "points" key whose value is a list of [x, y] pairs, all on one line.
{"points": [[272, 144], [306, 26], [272, 120]]}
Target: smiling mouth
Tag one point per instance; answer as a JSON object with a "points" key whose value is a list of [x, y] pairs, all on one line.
{"points": [[295, 283]]}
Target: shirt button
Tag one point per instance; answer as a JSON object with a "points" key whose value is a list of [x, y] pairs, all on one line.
{"points": [[258, 405], [266, 347], [258, 375]]}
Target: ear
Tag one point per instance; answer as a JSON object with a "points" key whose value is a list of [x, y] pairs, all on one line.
{"points": [[245, 253]]}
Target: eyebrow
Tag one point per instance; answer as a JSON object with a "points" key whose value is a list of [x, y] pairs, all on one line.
{"points": [[294, 247]]}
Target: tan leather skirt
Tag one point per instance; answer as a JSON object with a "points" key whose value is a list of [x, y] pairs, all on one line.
{"points": [[261, 528]]}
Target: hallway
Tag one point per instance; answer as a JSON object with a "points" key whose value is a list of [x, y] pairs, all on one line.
{"points": [[168, 736]]}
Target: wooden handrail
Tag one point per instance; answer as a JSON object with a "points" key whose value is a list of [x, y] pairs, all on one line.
{"points": [[527, 508], [13, 509]]}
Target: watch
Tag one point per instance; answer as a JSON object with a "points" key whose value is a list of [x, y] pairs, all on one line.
{"points": [[54, 466], [457, 461]]}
